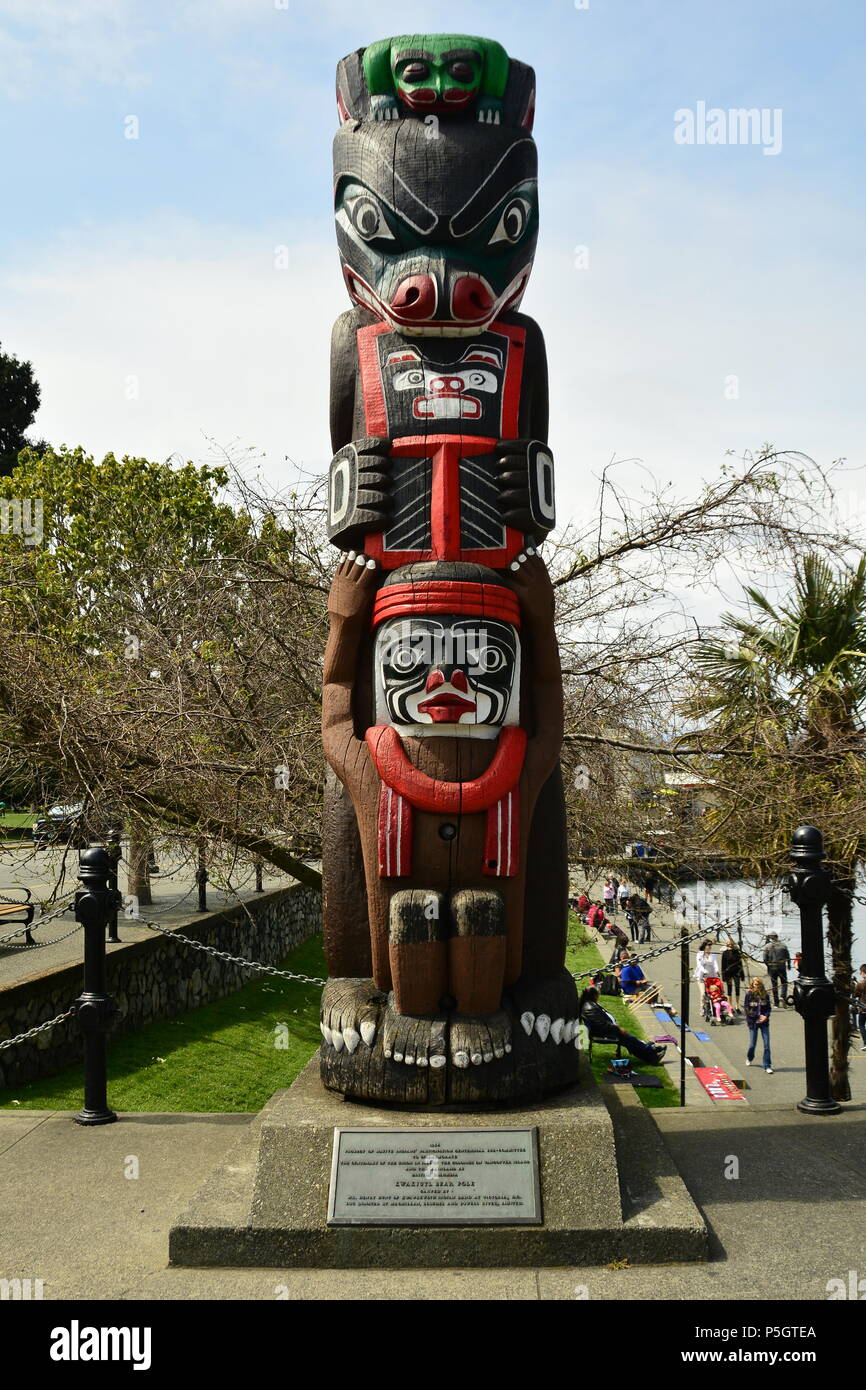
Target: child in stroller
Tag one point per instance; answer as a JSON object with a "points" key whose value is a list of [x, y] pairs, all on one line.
{"points": [[717, 1006]]}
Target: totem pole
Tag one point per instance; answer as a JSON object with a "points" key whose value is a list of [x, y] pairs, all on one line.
{"points": [[444, 851]]}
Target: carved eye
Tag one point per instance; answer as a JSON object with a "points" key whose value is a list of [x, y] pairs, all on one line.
{"points": [[367, 219], [487, 658], [404, 659], [462, 72], [416, 72], [513, 222]]}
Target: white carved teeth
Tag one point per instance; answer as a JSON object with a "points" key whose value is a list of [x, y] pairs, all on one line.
{"points": [[421, 1062], [327, 1034], [437, 1060], [461, 1059], [398, 1056], [368, 1032], [337, 1039], [488, 1056], [477, 1059], [527, 1021], [542, 1026], [556, 1028], [351, 1037], [410, 1061], [498, 1050], [568, 1030]]}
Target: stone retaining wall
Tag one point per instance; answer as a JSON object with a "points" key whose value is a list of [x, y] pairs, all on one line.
{"points": [[155, 978]]}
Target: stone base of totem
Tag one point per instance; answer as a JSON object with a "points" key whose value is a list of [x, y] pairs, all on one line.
{"points": [[609, 1190]]}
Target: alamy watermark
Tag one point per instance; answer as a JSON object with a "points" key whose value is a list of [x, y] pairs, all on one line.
{"points": [[733, 126], [22, 516]]}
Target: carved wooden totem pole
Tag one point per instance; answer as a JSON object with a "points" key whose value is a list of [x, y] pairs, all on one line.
{"points": [[444, 848]]}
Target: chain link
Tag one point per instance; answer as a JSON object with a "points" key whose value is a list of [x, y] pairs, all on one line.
{"points": [[224, 955], [675, 945], [33, 1032]]}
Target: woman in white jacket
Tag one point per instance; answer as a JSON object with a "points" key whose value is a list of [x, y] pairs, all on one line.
{"points": [[705, 965]]}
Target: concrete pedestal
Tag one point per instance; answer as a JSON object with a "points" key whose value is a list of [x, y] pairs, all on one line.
{"points": [[610, 1190]]}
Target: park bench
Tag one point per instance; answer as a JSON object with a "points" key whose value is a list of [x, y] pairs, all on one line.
{"points": [[12, 910]]}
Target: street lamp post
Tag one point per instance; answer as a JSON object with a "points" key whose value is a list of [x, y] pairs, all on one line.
{"points": [[95, 1009], [814, 999]]}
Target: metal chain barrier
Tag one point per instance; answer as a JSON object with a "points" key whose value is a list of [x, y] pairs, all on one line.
{"points": [[34, 1032], [675, 945], [224, 955]]}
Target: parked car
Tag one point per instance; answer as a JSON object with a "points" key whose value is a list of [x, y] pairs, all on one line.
{"points": [[61, 825]]}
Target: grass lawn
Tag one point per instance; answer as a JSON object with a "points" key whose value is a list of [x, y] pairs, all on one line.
{"points": [[588, 957], [223, 1057], [15, 820]]}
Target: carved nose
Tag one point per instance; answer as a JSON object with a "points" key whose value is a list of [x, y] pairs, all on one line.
{"points": [[471, 300], [415, 298], [459, 681], [434, 680], [446, 385]]}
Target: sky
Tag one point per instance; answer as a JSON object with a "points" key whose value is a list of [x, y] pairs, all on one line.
{"points": [[178, 288]]}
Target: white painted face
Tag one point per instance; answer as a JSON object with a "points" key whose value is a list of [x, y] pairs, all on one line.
{"points": [[448, 676]]}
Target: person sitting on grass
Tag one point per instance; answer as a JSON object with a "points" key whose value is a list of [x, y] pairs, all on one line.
{"points": [[603, 1027], [595, 916], [632, 978]]}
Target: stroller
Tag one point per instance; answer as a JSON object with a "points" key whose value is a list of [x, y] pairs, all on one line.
{"points": [[716, 1004]]}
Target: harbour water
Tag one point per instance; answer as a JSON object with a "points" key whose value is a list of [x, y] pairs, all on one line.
{"points": [[760, 908]]}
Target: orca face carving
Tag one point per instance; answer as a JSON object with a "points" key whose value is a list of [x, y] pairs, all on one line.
{"points": [[436, 236]]}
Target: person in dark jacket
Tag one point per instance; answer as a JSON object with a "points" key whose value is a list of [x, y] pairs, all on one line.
{"points": [[733, 972], [603, 1027], [777, 958], [860, 996], [640, 913], [757, 1008]]}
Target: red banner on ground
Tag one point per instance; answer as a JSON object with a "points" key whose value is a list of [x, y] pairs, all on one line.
{"points": [[718, 1084]]}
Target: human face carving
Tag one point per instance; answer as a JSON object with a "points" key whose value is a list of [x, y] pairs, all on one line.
{"points": [[447, 675]]}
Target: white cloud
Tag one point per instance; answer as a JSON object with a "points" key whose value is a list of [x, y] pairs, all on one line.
{"points": [[151, 340]]}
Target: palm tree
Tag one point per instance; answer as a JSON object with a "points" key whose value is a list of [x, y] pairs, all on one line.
{"points": [[791, 679]]}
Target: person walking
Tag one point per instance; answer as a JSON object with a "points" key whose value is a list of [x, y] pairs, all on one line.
{"points": [[705, 965], [860, 996], [640, 910], [733, 972], [650, 883], [609, 896], [777, 958], [624, 895], [757, 1008]]}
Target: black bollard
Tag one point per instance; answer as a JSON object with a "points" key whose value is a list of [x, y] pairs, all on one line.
{"points": [[201, 878], [814, 998], [114, 851], [95, 1009], [684, 1008]]}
